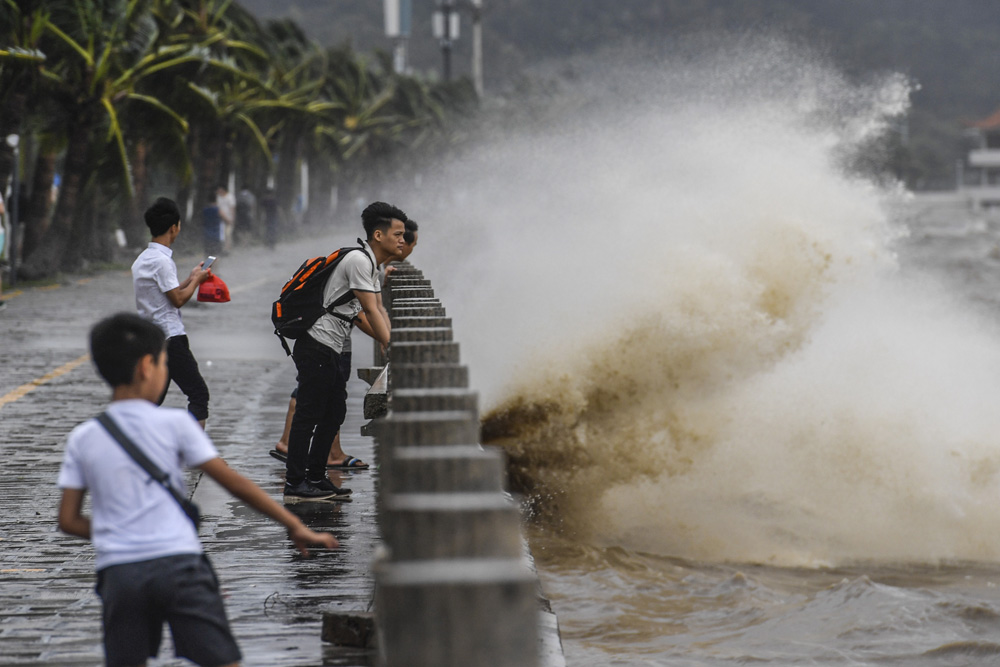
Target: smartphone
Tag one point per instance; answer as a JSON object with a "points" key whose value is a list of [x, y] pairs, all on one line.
{"points": [[208, 262]]}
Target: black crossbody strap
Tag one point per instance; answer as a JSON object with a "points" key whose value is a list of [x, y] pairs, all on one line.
{"points": [[145, 463]]}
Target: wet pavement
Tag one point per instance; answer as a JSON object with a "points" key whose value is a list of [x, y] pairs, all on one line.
{"points": [[49, 614]]}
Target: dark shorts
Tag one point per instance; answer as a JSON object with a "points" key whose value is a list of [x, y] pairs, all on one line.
{"points": [[179, 590]]}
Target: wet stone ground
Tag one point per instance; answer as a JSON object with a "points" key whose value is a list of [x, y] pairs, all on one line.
{"points": [[49, 614]]}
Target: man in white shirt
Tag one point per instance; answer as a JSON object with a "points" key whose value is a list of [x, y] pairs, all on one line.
{"points": [[321, 403], [159, 297], [227, 211]]}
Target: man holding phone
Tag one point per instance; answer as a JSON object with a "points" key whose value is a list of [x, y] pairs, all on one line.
{"points": [[159, 297]]}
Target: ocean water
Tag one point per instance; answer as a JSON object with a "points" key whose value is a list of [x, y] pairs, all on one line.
{"points": [[923, 594], [747, 387]]}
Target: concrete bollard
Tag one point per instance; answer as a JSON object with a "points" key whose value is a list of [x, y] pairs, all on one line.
{"points": [[413, 376], [456, 587], [457, 613], [403, 310], [408, 281], [411, 293], [422, 334], [421, 526], [376, 401], [435, 399], [414, 429], [444, 469], [420, 322], [423, 353]]}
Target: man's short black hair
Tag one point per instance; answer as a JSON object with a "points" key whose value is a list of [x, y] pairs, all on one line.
{"points": [[161, 216], [411, 231], [117, 343], [379, 215]]}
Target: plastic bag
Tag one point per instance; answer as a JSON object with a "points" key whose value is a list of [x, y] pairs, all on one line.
{"points": [[213, 290]]}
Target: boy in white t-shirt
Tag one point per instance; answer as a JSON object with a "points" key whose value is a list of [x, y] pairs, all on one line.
{"points": [[150, 564]]}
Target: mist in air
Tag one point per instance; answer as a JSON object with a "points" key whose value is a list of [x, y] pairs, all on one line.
{"points": [[688, 327]]}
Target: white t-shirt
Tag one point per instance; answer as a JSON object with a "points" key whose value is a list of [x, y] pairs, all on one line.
{"points": [[133, 517], [355, 272], [153, 275], [227, 207]]}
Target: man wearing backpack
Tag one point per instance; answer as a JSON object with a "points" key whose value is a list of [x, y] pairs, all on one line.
{"points": [[322, 393]]}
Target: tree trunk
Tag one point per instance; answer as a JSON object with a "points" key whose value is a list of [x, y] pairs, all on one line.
{"points": [[56, 253], [11, 116], [206, 155], [132, 224], [286, 175], [320, 187], [36, 217]]}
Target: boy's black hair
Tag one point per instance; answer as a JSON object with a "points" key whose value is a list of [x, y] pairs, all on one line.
{"points": [[161, 216], [379, 215], [411, 229], [117, 343]]}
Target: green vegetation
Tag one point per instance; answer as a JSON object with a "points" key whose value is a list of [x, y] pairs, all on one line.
{"points": [[132, 99]]}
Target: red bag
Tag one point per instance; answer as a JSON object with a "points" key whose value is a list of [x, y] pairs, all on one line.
{"points": [[213, 290]]}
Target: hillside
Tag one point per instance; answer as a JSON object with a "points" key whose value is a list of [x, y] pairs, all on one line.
{"points": [[951, 49]]}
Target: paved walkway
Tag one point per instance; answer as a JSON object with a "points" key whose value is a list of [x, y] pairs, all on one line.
{"points": [[49, 614]]}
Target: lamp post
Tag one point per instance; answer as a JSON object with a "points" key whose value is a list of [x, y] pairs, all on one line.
{"points": [[477, 45], [398, 15], [446, 25], [14, 142]]}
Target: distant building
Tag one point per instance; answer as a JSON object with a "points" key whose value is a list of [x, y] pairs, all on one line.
{"points": [[982, 184]]}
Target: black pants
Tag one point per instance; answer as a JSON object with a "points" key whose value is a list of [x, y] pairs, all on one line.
{"points": [[320, 409], [183, 369]]}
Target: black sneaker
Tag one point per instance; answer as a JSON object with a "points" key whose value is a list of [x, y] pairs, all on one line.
{"points": [[304, 491], [326, 485]]}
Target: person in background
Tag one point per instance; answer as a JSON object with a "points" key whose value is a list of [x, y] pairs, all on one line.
{"points": [[409, 244], [246, 210], [211, 227], [227, 211], [269, 205]]}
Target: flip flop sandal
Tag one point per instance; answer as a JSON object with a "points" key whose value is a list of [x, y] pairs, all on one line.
{"points": [[281, 456], [350, 463]]}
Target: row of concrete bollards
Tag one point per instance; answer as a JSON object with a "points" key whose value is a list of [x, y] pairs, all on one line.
{"points": [[454, 586]]}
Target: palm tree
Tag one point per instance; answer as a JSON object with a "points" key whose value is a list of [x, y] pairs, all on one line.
{"points": [[20, 60], [103, 50]]}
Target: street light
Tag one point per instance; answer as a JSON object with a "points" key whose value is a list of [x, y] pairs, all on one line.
{"points": [[446, 24], [477, 45], [14, 141], [398, 14]]}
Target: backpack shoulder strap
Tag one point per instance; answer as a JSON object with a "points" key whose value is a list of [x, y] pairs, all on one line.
{"points": [[139, 457]]}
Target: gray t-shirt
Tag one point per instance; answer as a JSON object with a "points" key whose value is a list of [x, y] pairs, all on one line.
{"points": [[356, 272]]}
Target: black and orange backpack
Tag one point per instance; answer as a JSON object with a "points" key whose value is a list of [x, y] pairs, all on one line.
{"points": [[301, 301]]}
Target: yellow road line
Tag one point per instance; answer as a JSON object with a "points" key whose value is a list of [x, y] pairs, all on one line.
{"points": [[11, 295], [29, 387]]}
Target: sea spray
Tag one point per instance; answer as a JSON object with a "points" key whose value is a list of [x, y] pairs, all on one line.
{"points": [[688, 320]]}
